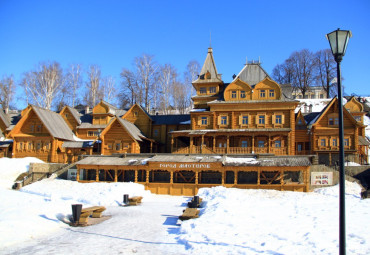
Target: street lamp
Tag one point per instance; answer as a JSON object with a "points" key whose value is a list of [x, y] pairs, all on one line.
{"points": [[338, 40]]}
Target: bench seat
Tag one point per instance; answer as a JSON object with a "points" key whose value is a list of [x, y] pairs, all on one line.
{"points": [[94, 212], [189, 213]]}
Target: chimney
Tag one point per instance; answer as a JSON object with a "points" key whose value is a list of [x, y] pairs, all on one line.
{"points": [[87, 109], [6, 110]]}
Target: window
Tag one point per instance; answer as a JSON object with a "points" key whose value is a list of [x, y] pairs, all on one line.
{"points": [[299, 147], [335, 144], [261, 144], [233, 94], [66, 115], [261, 119], [29, 146], [245, 120], [223, 120], [156, 132], [278, 119], [244, 144], [278, 144], [333, 121], [47, 145], [358, 118], [38, 146], [242, 94], [322, 142], [212, 90], [321, 96], [262, 93], [118, 146], [300, 122], [136, 113], [204, 121], [203, 90], [38, 128], [346, 142], [272, 93], [32, 128], [20, 146]]}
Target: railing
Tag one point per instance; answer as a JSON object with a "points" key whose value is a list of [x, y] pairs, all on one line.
{"points": [[260, 150], [220, 150], [240, 150], [279, 151], [184, 150]]}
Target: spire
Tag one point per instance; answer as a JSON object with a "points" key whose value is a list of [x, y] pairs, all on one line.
{"points": [[209, 70]]}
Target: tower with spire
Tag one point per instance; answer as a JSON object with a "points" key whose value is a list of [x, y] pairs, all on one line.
{"points": [[209, 84]]}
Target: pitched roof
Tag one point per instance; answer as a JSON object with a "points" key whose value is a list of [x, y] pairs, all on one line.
{"points": [[170, 119], [78, 144], [131, 129], [114, 110], [75, 114], [209, 66], [54, 123], [4, 118], [252, 74]]}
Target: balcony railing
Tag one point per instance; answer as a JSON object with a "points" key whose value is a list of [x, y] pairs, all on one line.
{"points": [[233, 150]]}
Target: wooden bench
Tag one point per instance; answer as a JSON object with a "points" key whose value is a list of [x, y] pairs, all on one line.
{"points": [[189, 213], [135, 200], [94, 212]]}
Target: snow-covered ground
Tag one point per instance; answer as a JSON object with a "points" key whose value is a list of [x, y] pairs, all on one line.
{"points": [[231, 221]]}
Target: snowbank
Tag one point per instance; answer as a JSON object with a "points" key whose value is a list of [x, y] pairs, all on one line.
{"points": [[11, 168]]}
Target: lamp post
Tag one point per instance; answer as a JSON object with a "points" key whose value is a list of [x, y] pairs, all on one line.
{"points": [[99, 142], [338, 40]]}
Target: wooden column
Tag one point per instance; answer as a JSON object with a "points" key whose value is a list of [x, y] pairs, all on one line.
{"points": [[172, 143], [115, 174], [53, 151], [235, 177], [171, 177], [269, 147], [201, 145], [78, 174], [97, 174], [223, 177], [214, 143], [258, 176], [252, 143], [227, 143], [136, 175], [191, 145], [147, 176], [151, 147], [196, 177]]}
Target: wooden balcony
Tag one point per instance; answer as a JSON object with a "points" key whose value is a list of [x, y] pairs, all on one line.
{"points": [[230, 150]]}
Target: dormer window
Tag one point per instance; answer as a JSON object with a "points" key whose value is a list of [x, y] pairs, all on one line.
{"points": [[212, 90], [203, 90], [208, 75]]}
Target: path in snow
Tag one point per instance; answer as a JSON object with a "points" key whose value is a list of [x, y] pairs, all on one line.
{"points": [[129, 231]]}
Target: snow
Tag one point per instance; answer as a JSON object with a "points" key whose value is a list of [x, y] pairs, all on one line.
{"points": [[232, 221], [230, 160], [317, 105], [198, 110]]}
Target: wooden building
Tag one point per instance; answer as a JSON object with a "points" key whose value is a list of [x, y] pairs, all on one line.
{"points": [[186, 174], [40, 133], [248, 115]]}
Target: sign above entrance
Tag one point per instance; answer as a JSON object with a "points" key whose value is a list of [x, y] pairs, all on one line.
{"points": [[185, 165]]}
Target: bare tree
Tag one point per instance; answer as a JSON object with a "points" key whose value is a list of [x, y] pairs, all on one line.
{"points": [[94, 92], [325, 70], [74, 82], [167, 79], [191, 74], [43, 85], [109, 89], [7, 89], [130, 92], [180, 97], [146, 73]]}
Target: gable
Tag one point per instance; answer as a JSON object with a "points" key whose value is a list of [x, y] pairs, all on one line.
{"points": [[272, 90], [100, 108], [238, 90], [137, 116]]}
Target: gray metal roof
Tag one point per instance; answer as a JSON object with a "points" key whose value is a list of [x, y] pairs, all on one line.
{"points": [[89, 125], [113, 161], [252, 101], [78, 144], [268, 161], [54, 123], [114, 110], [187, 158], [4, 118], [131, 128], [75, 114], [252, 74]]}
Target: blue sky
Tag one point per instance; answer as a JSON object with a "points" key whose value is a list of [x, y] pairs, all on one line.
{"points": [[112, 33]]}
